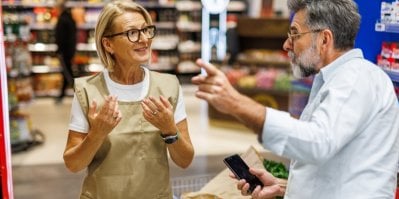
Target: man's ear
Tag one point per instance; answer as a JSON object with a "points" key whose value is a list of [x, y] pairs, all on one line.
{"points": [[327, 37], [325, 40]]}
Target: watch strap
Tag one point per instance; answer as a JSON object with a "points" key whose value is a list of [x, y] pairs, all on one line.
{"points": [[170, 139]]}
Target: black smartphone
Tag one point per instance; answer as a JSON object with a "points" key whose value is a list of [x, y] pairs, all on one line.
{"points": [[241, 171]]}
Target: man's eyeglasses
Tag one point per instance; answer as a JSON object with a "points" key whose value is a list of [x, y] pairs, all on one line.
{"points": [[293, 36], [134, 34]]}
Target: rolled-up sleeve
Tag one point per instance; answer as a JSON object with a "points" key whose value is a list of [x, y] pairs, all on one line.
{"points": [[337, 116], [276, 130]]}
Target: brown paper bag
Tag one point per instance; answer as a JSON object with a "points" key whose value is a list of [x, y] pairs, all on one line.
{"points": [[223, 186]]}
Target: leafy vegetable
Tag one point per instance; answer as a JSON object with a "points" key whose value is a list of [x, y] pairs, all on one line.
{"points": [[277, 169]]}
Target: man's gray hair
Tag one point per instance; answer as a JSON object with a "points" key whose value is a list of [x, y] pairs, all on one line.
{"points": [[339, 16]]}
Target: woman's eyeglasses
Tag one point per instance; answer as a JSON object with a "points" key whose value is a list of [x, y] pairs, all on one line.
{"points": [[134, 34]]}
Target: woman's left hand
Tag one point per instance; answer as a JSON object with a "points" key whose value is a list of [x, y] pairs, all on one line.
{"points": [[159, 112]]}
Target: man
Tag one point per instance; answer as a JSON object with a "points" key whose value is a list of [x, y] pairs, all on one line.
{"points": [[65, 38], [346, 143]]}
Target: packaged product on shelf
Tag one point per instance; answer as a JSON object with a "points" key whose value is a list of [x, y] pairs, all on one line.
{"points": [[22, 58], [248, 82], [20, 128], [395, 65], [386, 51], [384, 62], [91, 16], [386, 12], [23, 89], [265, 78], [43, 15], [47, 84], [395, 50], [299, 96], [283, 81], [234, 74]]}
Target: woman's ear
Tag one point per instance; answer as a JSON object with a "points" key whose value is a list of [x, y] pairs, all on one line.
{"points": [[107, 45]]}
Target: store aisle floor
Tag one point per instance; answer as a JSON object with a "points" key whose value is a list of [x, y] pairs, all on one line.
{"points": [[211, 144]]}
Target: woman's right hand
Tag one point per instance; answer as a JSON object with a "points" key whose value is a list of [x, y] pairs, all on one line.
{"points": [[81, 147], [103, 121]]}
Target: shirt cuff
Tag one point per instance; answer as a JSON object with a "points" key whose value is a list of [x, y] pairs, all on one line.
{"points": [[275, 130]]}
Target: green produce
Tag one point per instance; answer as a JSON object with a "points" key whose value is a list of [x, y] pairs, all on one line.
{"points": [[277, 169]]}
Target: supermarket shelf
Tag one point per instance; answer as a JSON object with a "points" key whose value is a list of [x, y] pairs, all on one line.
{"points": [[38, 69], [272, 28], [262, 90], [86, 47], [42, 26], [84, 4], [87, 26], [383, 27], [50, 26], [25, 4], [263, 63], [43, 69], [165, 25], [165, 42], [18, 74], [41, 47], [93, 68], [189, 47], [188, 67], [236, 6], [148, 4], [158, 44], [188, 6], [145, 4], [162, 66], [189, 26], [32, 4]]}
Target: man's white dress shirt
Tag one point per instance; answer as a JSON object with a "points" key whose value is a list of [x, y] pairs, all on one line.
{"points": [[345, 144]]}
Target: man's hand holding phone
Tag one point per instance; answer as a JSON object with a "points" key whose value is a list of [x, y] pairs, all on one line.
{"points": [[272, 186], [258, 183]]}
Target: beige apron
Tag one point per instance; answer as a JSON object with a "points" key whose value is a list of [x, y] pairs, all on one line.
{"points": [[132, 162]]}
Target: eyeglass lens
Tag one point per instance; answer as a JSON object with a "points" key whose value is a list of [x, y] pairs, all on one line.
{"points": [[134, 35]]}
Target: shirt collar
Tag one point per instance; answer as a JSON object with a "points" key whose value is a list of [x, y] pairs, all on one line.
{"points": [[327, 72]]}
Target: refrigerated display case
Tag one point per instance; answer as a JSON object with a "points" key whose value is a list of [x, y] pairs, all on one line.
{"points": [[5, 146]]}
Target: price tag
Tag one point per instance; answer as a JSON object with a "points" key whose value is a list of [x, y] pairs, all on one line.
{"points": [[380, 27]]}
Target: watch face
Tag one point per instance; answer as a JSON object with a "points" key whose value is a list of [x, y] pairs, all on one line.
{"points": [[215, 6], [171, 138]]}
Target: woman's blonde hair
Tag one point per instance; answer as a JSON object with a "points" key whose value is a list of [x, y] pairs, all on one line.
{"points": [[105, 24]]}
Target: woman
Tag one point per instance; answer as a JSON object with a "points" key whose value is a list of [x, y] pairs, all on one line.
{"points": [[126, 118]]}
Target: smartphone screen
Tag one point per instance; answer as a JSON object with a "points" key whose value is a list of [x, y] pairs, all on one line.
{"points": [[241, 171]]}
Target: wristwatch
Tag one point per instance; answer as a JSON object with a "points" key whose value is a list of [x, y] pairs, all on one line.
{"points": [[170, 139]]}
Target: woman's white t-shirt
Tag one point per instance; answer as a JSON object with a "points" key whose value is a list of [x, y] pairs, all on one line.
{"points": [[125, 93]]}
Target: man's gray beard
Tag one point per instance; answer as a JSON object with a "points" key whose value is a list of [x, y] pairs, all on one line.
{"points": [[306, 63], [300, 72]]}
